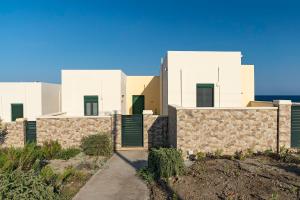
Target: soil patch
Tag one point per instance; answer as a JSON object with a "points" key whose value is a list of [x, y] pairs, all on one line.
{"points": [[258, 177]]}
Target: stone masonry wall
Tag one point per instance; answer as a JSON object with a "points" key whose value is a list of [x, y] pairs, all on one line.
{"points": [[15, 134], [284, 125], [172, 126], [155, 131], [208, 130], [70, 131]]}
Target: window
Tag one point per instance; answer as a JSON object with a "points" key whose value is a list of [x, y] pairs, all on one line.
{"points": [[90, 105], [205, 95], [16, 111]]}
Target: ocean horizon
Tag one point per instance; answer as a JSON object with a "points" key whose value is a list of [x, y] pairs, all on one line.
{"points": [[293, 98]]}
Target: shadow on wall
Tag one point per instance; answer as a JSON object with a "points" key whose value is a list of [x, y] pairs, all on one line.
{"points": [[3, 133], [152, 96], [158, 133]]}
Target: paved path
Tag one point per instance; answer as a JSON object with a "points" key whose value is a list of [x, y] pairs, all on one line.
{"points": [[118, 179]]}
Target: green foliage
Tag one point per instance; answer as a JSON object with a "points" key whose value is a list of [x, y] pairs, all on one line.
{"points": [[3, 132], [240, 155], [218, 153], [66, 154], [200, 155], [49, 177], [26, 158], [24, 185], [51, 149], [146, 175], [97, 145], [165, 162]]}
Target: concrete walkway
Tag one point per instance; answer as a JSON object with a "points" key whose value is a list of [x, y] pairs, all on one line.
{"points": [[118, 179]]}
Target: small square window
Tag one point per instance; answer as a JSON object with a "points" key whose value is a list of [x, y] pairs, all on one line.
{"points": [[91, 105]]}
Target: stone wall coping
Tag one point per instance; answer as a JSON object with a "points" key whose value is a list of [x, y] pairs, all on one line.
{"points": [[74, 117], [224, 108], [147, 112], [282, 102]]}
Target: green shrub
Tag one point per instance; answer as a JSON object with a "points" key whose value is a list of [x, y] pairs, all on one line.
{"points": [[200, 155], [51, 149], [49, 177], [146, 174], [3, 132], [165, 162], [26, 158], [66, 154], [97, 145], [24, 185]]}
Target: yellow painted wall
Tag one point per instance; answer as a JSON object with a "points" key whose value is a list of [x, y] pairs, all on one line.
{"points": [[248, 92], [149, 86]]}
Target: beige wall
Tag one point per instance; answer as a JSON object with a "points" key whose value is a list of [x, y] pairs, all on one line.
{"points": [[37, 98], [182, 70], [229, 129], [247, 73], [106, 84], [149, 86]]}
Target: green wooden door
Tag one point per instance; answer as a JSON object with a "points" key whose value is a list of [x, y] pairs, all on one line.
{"points": [[132, 130], [16, 111], [295, 134], [138, 104], [31, 132]]}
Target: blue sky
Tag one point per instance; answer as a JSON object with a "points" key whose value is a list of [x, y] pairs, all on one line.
{"points": [[38, 38]]}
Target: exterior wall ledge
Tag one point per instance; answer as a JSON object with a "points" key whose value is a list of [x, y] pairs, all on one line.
{"points": [[147, 112], [226, 108], [282, 102], [81, 117]]}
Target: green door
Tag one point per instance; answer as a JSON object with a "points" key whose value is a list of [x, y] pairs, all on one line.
{"points": [[31, 132], [132, 130], [295, 135], [16, 111], [138, 104]]}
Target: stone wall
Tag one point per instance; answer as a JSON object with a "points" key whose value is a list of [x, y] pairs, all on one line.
{"points": [[284, 120], [172, 125], [211, 129], [70, 130], [155, 131], [16, 132]]}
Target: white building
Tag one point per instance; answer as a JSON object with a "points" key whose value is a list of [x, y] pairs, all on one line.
{"points": [[93, 92], [205, 79], [28, 100]]}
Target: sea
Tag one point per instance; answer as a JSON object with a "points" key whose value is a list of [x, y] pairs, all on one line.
{"points": [[293, 98]]}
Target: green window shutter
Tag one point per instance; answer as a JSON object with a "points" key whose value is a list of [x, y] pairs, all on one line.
{"points": [[16, 111], [91, 105], [205, 95]]}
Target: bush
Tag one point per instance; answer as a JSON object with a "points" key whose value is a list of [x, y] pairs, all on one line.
{"points": [[3, 132], [200, 155], [146, 174], [25, 158], [66, 154], [24, 185], [165, 162], [97, 145], [51, 149]]}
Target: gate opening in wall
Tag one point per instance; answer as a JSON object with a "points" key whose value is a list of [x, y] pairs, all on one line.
{"points": [[132, 131], [30, 132], [295, 126]]}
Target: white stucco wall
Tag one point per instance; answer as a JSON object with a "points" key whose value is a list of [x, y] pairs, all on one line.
{"points": [[51, 98], [123, 93], [78, 83], [202, 67], [30, 95]]}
